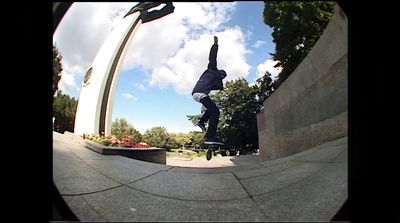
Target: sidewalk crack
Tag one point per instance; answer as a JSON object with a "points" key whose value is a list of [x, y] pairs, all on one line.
{"points": [[237, 178]]}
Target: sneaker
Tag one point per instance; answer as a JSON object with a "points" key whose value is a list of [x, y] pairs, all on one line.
{"points": [[202, 126], [213, 141]]}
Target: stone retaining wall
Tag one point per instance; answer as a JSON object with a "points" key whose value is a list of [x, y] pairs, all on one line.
{"points": [[310, 107]]}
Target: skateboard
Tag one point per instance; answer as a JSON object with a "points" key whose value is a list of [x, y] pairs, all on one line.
{"points": [[213, 149]]}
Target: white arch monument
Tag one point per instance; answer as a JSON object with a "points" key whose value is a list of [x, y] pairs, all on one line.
{"points": [[94, 112]]}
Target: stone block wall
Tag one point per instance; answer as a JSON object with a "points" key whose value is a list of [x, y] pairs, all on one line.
{"points": [[310, 107]]}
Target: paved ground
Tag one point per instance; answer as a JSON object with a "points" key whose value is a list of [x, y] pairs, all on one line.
{"points": [[215, 162], [308, 186]]}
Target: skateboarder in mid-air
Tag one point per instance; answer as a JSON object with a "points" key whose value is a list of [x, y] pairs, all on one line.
{"points": [[211, 79]]}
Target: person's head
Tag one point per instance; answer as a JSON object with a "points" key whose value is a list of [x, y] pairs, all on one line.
{"points": [[223, 73]]}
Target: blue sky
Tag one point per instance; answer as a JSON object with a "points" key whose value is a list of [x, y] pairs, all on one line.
{"points": [[166, 56]]}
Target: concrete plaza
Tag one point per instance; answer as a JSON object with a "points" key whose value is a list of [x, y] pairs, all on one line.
{"points": [[307, 186]]}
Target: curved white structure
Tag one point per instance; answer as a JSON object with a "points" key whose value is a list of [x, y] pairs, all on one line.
{"points": [[94, 112]]}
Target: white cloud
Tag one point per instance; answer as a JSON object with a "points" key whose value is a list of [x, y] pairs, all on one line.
{"points": [[203, 15], [155, 42], [268, 65], [67, 84], [249, 33], [183, 70], [172, 50], [84, 28], [258, 43], [129, 96], [139, 86]]}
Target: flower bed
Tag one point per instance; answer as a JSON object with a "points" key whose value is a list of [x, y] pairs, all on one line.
{"points": [[109, 145], [113, 141]]}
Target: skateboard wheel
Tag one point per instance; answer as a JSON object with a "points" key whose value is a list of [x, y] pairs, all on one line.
{"points": [[208, 155]]}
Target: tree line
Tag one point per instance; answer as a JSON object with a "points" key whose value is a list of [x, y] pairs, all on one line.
{"points": [[157, 136]]}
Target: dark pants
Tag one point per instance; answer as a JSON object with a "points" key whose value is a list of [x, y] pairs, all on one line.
{"points": [[211, 115]]}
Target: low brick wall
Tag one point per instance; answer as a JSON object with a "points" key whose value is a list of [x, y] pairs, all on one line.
{"points": [[310, 107]]}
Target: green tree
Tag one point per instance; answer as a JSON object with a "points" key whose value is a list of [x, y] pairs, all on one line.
{"points": [[57, 68], [121, 128], [297, 26], [64, 110], [266, 86], [197, 138], [158, 137], [181, 139], [239, 106]]}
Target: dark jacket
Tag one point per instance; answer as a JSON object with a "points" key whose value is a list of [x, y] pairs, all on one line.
{"points": [[211, 79]]}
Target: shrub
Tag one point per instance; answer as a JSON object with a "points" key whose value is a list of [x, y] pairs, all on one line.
{"points": [[106, 142], [111, 140]]}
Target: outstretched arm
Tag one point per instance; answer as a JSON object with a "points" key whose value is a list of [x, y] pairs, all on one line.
{"points": [[142, 6], [156, 14], [146, 15], [212, 64]]}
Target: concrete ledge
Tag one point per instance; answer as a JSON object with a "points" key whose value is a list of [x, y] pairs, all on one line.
{"points": [[152, 154]]}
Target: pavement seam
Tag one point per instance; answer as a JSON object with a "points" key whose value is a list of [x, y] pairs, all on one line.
{"points": [[330, 161], [134, 181], [295, 182], [174, 198], [298, 163], [182, 199], [94, 168], [93, 192], [272, 171], [244, 188], [121, 184], [251, 197], [340, 153]]}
